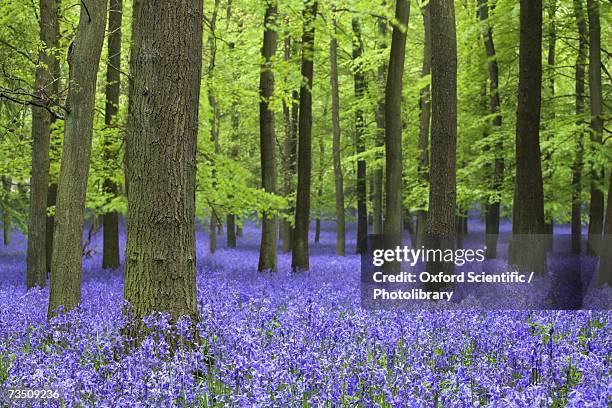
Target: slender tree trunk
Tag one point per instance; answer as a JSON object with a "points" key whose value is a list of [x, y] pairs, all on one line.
{"points": [[336, 144], [110, 254], [442, 173], [83, 61], [165, 64], [6, 218], [300, 256], [596, 210], [580, 104], [319, 190], [46, 87], [552, 45], [528, 212], [269, 229], [392, 226], [424, 124], [377, 180], [492, 208], [605, 257], [360, 85], [230, 222]]}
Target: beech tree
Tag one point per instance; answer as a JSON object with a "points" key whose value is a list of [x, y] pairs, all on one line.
{"points": [[83, 61], [165, 69]]}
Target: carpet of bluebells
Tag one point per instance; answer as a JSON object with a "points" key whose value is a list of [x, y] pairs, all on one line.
{"points": [[269, 340]]}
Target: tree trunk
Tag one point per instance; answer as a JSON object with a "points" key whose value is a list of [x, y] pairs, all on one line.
{"points": [[392, 225], [580, 104], [83, 61], [299, 260], [51, 201], [359, 78], [442, 173], [269, 237], [424, 124], [596, 210], [492, 209], [46, 88], [165, 64], [377, 181], [110, 254], [319, 190], [528, 212], [605, 257], [6, 218], [336, 144]]}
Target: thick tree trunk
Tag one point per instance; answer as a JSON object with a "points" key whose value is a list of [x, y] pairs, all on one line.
{"points": [[51, 201], [360, 85], [424, 124], [110, 253], [492, 208], [46, 88], [267, 140], [377, 177], [83, 60], [581, 58], [166, 66], [336, 145], [528, 212], [596, 210], [392, 225], [300, 256], [442, 173], [6, 218]]}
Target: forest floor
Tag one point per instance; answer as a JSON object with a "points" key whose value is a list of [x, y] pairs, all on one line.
{"points": [[287, 340]]}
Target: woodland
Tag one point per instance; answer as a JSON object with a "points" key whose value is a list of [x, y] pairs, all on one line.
{"points": [[187, 188]]}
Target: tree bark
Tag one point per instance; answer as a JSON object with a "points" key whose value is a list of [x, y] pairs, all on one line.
{"points": [[493, 205], [267, 139], [596, 210], [360, 85], [336, 144], [300, 256], [424, 125], [576, 224], [377, 180], [605, 260], [442, 173], [51, 202], [319, 190], [392, 225], [6, 218], [165, 63], [46, 89], [83, 61], [110, 253]]}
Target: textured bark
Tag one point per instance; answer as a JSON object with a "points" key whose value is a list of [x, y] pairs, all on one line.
{"points": [[360, 85], [110, 252], [6, 218], [267, 140], [377, 176], [46, 88], [83, 61], [492, 209], [581, 58], [424, 125], [596, 210], [552, 45], [51, 201], [165, 65], [299, 259], [336, 145], [392, 226], [442, 173]]}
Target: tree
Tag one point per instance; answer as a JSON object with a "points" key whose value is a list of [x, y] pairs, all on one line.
{"points": [[46, 88], [377, 176], [110, 254], [360, 87], [392, 226], [528, 211], [267, 138], [442, 172], [605, 260], [299, 259], [336, 143], [165, 67], [596, 209], [576, 222], [83, 61], [492, 208], [6, 218]]}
